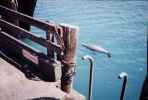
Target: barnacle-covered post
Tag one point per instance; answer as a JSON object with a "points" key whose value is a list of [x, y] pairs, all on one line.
{"points": [[68, 60]]}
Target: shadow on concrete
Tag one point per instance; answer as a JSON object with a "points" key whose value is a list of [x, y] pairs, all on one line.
{"points": [[43, 98], [30, 70]]}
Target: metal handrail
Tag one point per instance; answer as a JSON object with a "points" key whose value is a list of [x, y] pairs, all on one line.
{"points": [[91, 60], [124, 77]]}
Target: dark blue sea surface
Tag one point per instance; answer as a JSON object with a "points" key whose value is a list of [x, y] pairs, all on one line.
{"points": [[119, 26]]}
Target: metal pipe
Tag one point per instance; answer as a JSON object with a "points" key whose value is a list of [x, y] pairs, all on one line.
{"points": [[87, 57], [124, 77]]}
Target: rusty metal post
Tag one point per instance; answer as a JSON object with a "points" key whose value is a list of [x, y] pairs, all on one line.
{"points": [[68, 60], [49, 37], [55, 36]]}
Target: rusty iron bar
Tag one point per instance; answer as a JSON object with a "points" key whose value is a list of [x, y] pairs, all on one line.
{"points": [[56, 36], [40, 40], [6, 36], [46, 26], [28, 53]]}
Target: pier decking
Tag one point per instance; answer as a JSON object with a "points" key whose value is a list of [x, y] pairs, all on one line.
{"points": [[15, 86]]}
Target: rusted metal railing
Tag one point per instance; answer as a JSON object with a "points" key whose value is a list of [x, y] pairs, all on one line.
{"points": [[64, 46], [16, 29]]}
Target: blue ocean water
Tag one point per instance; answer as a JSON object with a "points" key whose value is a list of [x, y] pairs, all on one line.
{"points": [[119, 26]]}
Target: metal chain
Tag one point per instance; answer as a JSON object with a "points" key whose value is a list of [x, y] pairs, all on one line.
{"points": [[67, 77], [58, 37]]}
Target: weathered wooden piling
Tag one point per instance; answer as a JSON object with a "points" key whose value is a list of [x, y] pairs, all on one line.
{"points": [[68, 60]]}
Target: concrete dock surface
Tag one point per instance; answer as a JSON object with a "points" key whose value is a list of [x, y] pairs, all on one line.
{"points": [[15, 86]]}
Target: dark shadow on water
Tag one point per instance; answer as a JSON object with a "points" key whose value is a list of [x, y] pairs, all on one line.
{"points": [[144, 91]]}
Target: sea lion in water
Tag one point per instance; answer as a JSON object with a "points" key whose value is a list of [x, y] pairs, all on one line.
{"points": [[97, 49]]}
